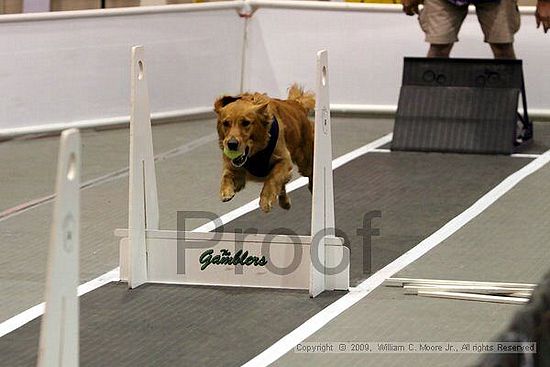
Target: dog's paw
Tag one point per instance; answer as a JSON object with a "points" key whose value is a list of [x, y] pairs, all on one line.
{"points": [[266, 203], [239, 185], [284, 202], [227, 194]]}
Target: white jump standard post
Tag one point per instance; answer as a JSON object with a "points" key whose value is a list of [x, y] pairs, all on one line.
{"points": [[143, 212], [322, 206], [59, 341], [148, 254]]}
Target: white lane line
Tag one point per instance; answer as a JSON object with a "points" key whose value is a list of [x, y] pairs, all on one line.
{"points": [[525, 155], [21, 319], [112, 176], [516, 155], [30, 314], [315, 323]]}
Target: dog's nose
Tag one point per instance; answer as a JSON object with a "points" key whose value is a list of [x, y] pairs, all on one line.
{"points": [[233, 144]]}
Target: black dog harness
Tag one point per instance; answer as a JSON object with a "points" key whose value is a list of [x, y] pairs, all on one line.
{"points": [[258, 164]]}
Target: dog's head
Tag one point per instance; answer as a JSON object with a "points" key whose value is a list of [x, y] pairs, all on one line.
{"points": [[243, 123]]}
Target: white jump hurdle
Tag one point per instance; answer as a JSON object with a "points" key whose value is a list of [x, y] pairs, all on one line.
{"points": [[59, 330], [148, 254]]}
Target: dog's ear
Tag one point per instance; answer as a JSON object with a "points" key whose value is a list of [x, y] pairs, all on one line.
{"points": [[224, 101], [263, 112]]}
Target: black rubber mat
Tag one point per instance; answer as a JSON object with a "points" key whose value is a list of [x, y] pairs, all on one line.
{"points": [[167, 325], [424, 121], [458, 105], [415, 193], [162, 325], [539, 144]]}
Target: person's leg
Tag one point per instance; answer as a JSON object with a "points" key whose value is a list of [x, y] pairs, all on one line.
{"points": [[440, 20], [499, 22], [503, 50], [440, 50]]}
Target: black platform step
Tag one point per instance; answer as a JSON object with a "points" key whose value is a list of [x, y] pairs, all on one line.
{"points": [[460, 105]]}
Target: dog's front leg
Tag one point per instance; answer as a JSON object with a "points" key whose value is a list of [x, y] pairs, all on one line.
{"points": [[232, 181], [278, 177]]}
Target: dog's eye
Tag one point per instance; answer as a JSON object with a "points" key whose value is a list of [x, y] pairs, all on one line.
{"points": [[245, 123], [226, 123]]}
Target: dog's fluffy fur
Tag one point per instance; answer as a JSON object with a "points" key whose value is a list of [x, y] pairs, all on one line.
{"points": [[247, 118]]}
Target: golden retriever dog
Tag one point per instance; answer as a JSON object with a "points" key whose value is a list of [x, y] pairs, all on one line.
{"points": [[261, 137]]}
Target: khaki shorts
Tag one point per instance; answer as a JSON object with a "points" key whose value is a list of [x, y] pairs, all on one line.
{"points": [[440, 20]]}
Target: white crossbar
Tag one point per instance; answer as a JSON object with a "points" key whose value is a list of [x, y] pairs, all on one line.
{"points": [[230, 237], [474, 297], [410, 289], [400, 282], [59, 344]]}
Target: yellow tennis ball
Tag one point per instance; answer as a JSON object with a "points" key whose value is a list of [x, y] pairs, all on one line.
{"points": [[232, 154]]}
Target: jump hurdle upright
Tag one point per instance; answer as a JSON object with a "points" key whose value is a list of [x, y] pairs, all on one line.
{"points": [[59, 342], [149, 255]]}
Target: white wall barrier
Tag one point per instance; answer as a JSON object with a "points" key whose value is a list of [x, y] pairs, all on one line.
{"points": [[317, 262], [66, 69], [71, 68], [367, 45]]}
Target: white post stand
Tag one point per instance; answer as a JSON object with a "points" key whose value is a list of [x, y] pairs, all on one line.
{"points": [[148, 254], [59, 330], [322, 207], [143, 201]]}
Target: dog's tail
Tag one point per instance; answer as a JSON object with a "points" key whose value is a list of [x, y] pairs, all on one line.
{"points": [[305, 99]]}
